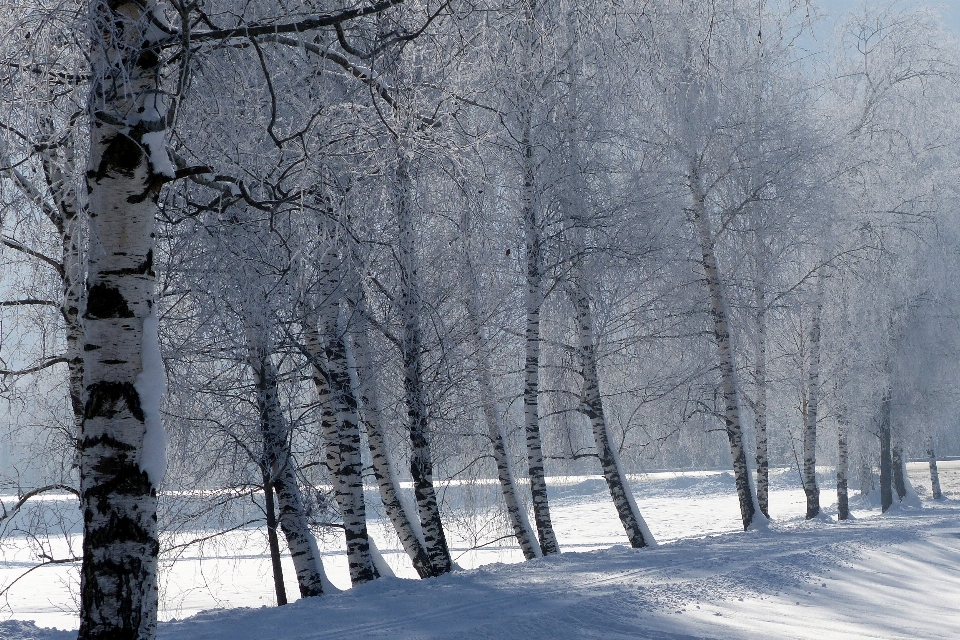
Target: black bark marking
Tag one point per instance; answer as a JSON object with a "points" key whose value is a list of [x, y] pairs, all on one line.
{"points": [[107, 399], [122, 156], [106, 440], [148, 59], [104, 301], [144, 268]]}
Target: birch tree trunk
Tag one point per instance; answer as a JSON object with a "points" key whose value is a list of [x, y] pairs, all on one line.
{"points": [[843, 501], [886, 463], [270, 512], [721, 333], [58, 168], [122, 442], [508, 486], [531, 389], [591, 404], [810, 487], [407, 527], [934, 473], [898, 467], [326, 345], [421, 463], [275, 431], [760, 373]]}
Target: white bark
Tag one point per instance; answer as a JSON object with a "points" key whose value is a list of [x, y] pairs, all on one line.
{"points": [[934, 473], [760, 382], [516, 513], [326, 344], [421, 462], [531, 388], [721, 334], [118, 582], [275, 430], [843, 504], [591, 404], [59, 172], [810, 487], [406, 526]]}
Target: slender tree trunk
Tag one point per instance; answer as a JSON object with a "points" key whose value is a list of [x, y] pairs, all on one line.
{"points": [[407, 527], [508, 486], [760, 371], [934, 473], [515, 510], [899, 469], [421, 462], [531, 388], [122, 442], [866, 476], [58, 169], [275, 431], [843, 503], [886, 463], [340, 419], [270, 511], [810, 487], [721, 332], [592, 406]]}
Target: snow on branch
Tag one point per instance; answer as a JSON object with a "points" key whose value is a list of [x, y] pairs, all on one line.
{"points": [[15, 508]]}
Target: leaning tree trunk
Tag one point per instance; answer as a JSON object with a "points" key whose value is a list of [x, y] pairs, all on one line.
{"points": [[810, 487], [421, 462], [721, 333], [843, 502], [531, 388], [269, 509], [516, 512], [406, 526], [934, 473], [275, 431], [325, 342], [592, 406], [886, 463], [122, 442]]}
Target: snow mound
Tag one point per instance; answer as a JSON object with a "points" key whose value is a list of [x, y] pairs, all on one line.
{"points": [[23, 630]]}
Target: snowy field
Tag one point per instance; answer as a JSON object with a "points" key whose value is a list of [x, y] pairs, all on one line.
{"points": [[894, 576]]}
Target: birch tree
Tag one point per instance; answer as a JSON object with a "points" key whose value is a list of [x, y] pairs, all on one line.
{"points": [[122, 457]]}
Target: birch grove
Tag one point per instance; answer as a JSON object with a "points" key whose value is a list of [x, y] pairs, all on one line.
{"points": [[409, 266]]}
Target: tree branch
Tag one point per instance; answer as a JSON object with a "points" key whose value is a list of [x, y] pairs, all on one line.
{"points": [[28, 301], [39, 367], [13, 244], [7, 514], [309, 24]]}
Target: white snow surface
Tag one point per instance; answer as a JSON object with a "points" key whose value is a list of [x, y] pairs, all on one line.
{"points": [[891, 576], [151, 384], [157, 151]]}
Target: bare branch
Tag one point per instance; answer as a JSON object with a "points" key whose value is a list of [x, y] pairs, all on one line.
{"points": [[14, 244]]}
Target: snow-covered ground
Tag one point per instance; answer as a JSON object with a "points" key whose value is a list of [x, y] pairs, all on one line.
{"points": [[894, 576]]}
